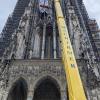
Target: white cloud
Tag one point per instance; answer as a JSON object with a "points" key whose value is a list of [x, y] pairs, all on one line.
{"points": [[93, 8]]}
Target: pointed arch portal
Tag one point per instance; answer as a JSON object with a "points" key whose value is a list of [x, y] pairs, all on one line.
{"points": [[18, 90], [47, 90]]}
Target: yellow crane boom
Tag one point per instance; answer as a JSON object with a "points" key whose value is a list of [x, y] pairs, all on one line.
{"points": [[75, 87]]}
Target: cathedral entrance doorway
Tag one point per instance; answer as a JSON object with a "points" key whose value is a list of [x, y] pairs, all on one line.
{"points": [[18, 90], [47, 90]]}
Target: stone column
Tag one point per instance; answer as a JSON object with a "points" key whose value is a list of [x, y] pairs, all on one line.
{"points": [[43, 41], [70, 27], [63, 95], [29, 98], [59, 47], [36, 50], [32, 43], [1, 97], [4, 96], [30, 95], [54, 40]]}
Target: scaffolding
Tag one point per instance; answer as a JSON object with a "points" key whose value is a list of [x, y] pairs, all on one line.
{"points": [[12, 24], [88, 45], [89, 31], [93, 26]]}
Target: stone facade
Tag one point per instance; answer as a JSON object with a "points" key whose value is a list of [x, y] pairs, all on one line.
{"points": [[34, 54], [34, 72]]}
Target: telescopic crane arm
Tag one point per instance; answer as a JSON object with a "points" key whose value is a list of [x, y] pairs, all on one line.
{"points": [[75, 87]]}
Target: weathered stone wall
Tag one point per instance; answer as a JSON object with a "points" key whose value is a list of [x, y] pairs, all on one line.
{"points": [[91, 86], [34, 71]]}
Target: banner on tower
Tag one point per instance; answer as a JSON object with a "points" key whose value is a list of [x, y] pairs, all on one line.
{"points": [[43, 6]]}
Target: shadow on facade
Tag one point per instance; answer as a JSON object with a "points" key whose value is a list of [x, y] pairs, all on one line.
{"points": [[47, 89], [18, 90]]}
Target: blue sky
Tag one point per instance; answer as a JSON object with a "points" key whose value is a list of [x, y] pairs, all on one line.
{"points": [[93, 8], [7, 6]]}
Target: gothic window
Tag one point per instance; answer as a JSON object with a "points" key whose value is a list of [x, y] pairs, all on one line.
{"points": [[18, 90], [49, 42]]}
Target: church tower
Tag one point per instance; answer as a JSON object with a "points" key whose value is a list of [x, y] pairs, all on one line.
{"points": [[31, 65]]}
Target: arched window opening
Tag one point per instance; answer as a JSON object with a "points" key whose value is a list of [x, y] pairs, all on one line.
{"points": [[18, 90], [47, 90], [49, 42]]}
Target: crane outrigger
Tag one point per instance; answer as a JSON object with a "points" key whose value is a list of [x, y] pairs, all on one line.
{"points": [[75, 87]]}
